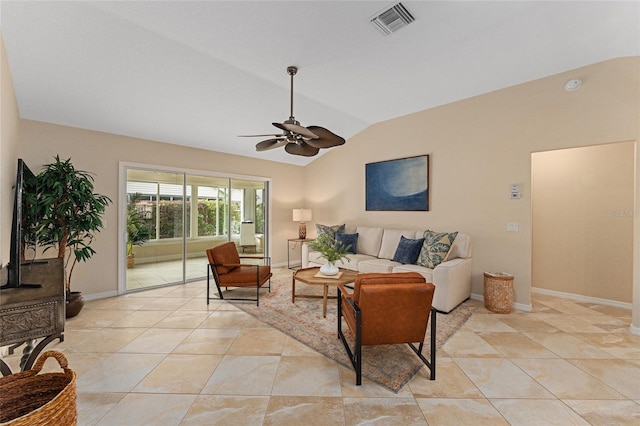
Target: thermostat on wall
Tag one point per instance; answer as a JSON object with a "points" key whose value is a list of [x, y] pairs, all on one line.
{"points": [[515, 191]]}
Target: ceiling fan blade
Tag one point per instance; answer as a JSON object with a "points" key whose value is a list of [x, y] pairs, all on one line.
{"points": [[270, 144], [262, 136], [297, 129], [326, 138], [302, 148]]}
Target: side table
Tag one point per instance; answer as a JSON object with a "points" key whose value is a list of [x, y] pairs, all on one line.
{"points": [[498, 292], [295, 242]]}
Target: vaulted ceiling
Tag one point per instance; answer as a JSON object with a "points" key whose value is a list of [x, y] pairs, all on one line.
{"points": [[201, 73]]}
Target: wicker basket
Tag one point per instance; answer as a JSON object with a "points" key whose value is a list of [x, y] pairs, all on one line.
{"points": [[498, 292], [32, 399]]}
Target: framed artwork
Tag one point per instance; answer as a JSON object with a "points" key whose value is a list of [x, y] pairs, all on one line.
{"points": [[401, 185]]}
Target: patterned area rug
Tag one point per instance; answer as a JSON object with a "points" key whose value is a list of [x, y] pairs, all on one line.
{"points": [[391, 366]]}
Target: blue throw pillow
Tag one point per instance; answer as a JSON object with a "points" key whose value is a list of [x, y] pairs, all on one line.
{"points": [[347, 240], [408, 250]]}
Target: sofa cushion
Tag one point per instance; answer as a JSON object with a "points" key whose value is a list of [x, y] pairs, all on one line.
{"points": [[408, 250], [391, 239], [425, 272], [369, 240], [461, 247], [377, 265], [352, 262], [330, 230], [347, 240], [435, 248]]}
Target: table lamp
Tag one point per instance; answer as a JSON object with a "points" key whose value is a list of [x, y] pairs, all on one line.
{"points": [[302, 216]]}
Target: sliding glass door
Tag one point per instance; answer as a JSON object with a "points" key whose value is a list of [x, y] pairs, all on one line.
{"points": [[172, 218]]}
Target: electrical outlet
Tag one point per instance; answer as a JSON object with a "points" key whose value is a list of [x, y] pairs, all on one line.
{"points": [[512, 227]]}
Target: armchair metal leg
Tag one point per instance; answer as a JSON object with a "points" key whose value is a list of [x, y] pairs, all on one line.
{"points": [[358, 348], [208, 283], [431, 363], [432, 349], [355, 355]]}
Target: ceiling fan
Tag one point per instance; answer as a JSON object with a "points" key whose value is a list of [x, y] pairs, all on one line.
{"points": [[297, 139]]}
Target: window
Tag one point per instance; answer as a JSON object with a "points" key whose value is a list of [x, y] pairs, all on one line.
{"points": [[186, 214]]}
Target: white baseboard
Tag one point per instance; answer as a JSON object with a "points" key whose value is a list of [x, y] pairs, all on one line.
{"points": [[523, 307], [581, 298], [97, 296], [516, 306]]}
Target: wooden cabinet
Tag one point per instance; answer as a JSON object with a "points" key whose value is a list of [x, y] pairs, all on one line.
{"points": [[29, 314]]}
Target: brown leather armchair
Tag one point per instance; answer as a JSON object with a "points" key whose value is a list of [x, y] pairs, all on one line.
{"points": [[224, 264], [387, 309]]}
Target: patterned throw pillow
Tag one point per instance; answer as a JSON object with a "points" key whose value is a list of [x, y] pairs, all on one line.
{"points": [[436, 247], [347, 240], [408, 250], [329, 230]]}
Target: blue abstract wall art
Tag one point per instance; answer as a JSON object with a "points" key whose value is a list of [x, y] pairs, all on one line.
{"points": [[401, 184]]}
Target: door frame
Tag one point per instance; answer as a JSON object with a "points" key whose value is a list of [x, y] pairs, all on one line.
{"points": [[123, 166]]}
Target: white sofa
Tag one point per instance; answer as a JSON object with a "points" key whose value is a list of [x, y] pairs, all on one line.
{"points": [[376, 247]]}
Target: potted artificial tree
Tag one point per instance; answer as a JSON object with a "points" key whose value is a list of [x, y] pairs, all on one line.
{"points": [[138, 232], [70, 214]]}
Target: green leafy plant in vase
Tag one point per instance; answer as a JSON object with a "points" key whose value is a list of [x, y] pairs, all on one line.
{"points": [[331, 250], [138, 232]]}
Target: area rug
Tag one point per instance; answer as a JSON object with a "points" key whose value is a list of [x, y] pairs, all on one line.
{"points": [[391, 366]]}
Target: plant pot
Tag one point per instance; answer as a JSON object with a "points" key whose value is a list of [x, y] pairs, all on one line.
{"points": [[74, 304], [329, 269], [131, 260]]}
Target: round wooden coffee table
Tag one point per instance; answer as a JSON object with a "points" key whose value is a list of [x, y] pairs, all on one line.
{"points": [[309, 276]]}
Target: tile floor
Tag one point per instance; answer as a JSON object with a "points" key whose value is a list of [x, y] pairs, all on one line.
{"points": [[145, 275], [154, 274], [163, 357]]}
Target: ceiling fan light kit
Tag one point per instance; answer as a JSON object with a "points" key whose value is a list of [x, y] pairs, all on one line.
{"points": [[297, 139]]}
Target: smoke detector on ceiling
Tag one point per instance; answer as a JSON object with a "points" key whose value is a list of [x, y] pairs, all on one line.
{"points": [[572, 85], [392, 19]]}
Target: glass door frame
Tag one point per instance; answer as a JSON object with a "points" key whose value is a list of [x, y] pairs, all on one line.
{"points": [[122, 211]]}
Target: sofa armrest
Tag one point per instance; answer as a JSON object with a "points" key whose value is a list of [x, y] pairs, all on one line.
{"points": [[454, 276], [453, 270], [304, 256]]}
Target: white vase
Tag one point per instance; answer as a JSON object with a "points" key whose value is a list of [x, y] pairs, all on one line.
{"points": [[329, 269]]}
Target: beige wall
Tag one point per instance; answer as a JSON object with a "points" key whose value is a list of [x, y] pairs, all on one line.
{"points": [[9, 118], [582, 219], [101, 153], [478, 147]]}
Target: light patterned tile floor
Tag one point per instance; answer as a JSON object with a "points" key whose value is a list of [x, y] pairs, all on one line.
{"points": [[165, 357]]}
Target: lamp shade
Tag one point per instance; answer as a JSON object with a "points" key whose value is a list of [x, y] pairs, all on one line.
{"points": [[301, 215]]}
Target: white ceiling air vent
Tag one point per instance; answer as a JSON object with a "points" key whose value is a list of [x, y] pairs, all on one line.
{"points": [[391, 20]]}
